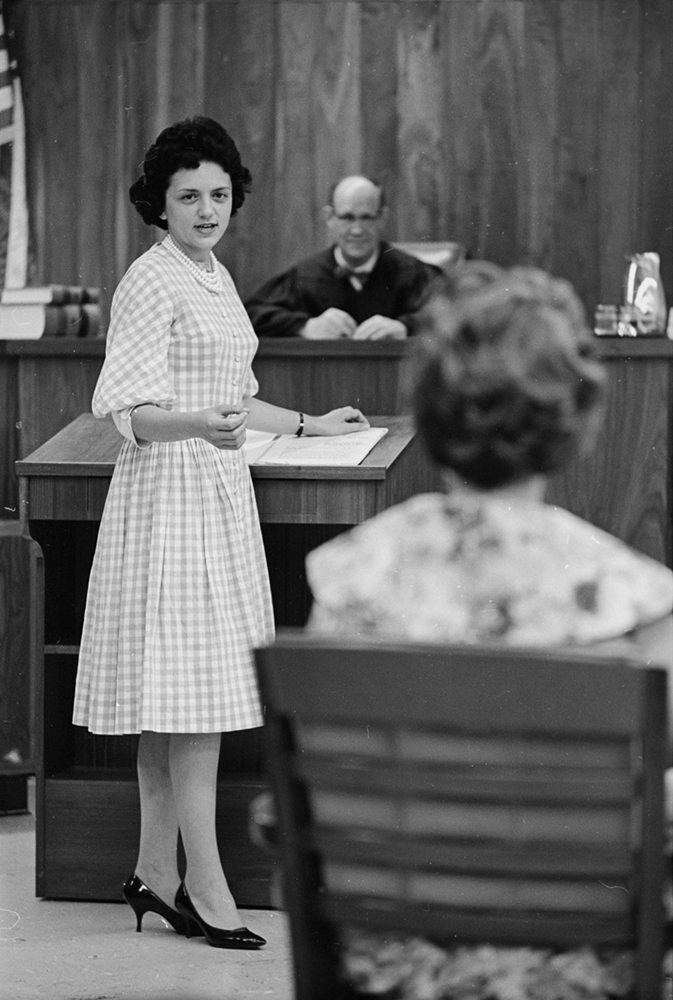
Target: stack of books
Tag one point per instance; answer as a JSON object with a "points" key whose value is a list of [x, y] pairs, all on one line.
{"points": [[49, 311]]}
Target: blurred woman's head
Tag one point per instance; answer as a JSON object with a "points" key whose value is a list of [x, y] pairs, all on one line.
{"points": [[503, 384], [184, 146]]}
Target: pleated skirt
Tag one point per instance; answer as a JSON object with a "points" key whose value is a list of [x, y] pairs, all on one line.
{"points": [[178, 596]]}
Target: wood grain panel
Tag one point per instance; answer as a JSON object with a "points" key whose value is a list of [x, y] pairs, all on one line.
{"points": [[575, 232], [177, 37], [378, 99], [50, 499], [52, 98], [317, 384], [619, 157], [92, 829], [297, 227], [500, 58], [9, 437], [539, 131], [336, 95], [655, 141], [68, 384], [135, 114], [291, 501], [95, 220], [623, 485], [461, 154], [421, 192], [15, 709], [238, 94]]}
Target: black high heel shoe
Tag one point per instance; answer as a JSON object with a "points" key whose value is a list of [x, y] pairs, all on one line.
{"points": [[142, 900], [217, 937]]}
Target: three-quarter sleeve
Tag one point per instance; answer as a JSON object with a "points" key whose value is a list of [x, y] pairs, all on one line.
{"points": [[251, 387], [136, 368], [122, 421]]}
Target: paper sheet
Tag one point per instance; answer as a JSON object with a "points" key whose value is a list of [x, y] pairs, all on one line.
{"points": [[256, 443], [287, 449]]}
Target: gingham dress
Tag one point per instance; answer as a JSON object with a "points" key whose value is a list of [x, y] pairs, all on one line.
{"points": [[178, 593]]}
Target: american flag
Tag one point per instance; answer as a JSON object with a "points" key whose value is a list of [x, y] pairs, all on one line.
{"points": [[13, 201]]}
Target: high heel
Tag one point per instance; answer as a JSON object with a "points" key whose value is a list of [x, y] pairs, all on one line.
{"points": [[142, 900], [217, 937]]}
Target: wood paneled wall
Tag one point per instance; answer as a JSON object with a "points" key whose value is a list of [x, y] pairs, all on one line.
{"points": [[535, 130]]}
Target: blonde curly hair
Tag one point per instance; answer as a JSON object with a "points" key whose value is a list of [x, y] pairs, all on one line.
{"points": [[503, 382]]}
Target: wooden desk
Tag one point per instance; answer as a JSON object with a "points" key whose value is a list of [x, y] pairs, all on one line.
{"points": [[67, 478], [87, 799]]}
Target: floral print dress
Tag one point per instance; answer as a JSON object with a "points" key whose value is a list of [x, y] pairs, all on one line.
{"points": [[477, 567]]}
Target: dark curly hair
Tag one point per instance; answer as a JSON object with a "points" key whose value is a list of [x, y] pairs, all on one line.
{"points": [[183, 146], [503, 382]]}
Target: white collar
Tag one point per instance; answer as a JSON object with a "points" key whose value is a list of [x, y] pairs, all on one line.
{"points": [[365, 268]]}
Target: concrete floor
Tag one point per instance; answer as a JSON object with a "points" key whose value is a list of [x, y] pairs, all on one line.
{"points": [[54, 950]]}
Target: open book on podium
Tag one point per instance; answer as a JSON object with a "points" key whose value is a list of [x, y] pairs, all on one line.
{"points": [[262, 448]]}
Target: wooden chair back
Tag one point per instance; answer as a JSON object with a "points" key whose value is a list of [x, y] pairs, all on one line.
{"points": [[466, 794]]}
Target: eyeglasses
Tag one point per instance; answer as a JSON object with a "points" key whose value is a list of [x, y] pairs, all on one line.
{"points": [[349, 219]]}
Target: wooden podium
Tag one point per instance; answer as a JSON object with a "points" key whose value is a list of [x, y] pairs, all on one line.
{"points": [[87, 813]]}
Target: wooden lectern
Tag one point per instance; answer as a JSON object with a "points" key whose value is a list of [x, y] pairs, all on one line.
{"points": [[86, 790]]}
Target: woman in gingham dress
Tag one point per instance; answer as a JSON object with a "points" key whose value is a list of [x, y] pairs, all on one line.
{"points": [[179, 593]]}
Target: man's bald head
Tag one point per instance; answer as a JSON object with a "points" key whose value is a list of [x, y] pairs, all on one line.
{"points": [[357, 185]]}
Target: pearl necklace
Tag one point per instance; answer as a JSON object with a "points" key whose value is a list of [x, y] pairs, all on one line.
{"points": [[212, 280]]}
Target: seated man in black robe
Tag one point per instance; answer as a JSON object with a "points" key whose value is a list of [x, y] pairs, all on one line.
{"points": [[360, 287]]}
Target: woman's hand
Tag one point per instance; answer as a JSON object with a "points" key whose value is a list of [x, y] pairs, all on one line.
{"points": [[223, 426], [343, 420], [279, 420]]}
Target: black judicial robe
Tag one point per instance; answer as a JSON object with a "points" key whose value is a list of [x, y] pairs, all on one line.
{"points": [[281, 307]]}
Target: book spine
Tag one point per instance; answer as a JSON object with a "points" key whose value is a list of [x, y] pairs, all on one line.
{"points": [[30, 322], [56, 295], [73, 320], [62, 295], [55, 322], [92, 319]]}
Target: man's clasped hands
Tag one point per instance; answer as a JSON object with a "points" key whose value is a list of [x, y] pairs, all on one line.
{"points": [[335, 323]]}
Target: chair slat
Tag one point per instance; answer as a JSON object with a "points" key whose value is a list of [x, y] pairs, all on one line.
{"points": [[444, 747], [506, 821], [445, 926], [476, 892], [601, 698], [606, 862], [479, 783]]}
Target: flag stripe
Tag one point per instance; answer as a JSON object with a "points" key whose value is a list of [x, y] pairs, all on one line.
{"points": [[13, 202], [6, 97], [16, 268], [6, 89]]}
